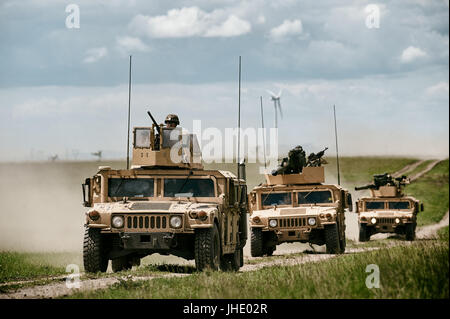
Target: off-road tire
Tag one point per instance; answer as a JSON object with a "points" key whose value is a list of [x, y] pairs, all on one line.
{"points": [[241, 259], [342, 244], [207, 249], [257, 243], [94, 251], [363, 233], [269, 250], [332, 239], [121, 263], [410, 232], [231, 262]]}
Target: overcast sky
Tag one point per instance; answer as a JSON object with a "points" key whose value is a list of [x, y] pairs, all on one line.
{"points": [[64, 90]]}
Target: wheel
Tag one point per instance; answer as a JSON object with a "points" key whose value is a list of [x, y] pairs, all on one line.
{"points": [[231, 262], [332, 239], [363, 233], [342, 244], [256, 245], [410, 231], [241, 259], [269, 250], [94, 251], [207, 249], [121, 263]]}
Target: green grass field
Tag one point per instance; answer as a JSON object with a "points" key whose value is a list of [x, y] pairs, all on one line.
{"points": [[432, 189], [419, 270], [16, 266]]}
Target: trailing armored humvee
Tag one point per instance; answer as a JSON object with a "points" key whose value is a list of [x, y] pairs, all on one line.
{"points": [[164, 206], [298, 207], [387, 210]]}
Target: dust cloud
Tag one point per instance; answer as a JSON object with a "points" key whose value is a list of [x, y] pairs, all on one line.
{"points": [[41, 206]]}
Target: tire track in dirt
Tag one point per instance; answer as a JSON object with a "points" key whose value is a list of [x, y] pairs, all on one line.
{"points": [[424, 171], [407, 168]]}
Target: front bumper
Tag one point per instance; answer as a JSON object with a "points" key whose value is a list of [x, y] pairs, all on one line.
{"points": [[153, 241]]}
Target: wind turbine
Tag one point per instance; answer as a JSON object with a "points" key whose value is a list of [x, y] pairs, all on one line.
{"points": [[98, 154], [276, 103]]}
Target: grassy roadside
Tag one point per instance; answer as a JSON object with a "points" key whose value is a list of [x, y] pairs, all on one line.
{"points": [[419, 270], [16, 266], [432, 189], [419, 168]]}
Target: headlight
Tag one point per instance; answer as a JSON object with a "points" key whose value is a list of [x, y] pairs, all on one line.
{"points": [[311, 221], [373, 220], [273, 223], [117, 221], [175, 221], [397, 220]]}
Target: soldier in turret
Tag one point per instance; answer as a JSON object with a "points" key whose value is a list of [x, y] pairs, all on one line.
{"points": [[172, 121]]}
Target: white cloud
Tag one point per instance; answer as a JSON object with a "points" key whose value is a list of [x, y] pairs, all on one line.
{"points": [[232, 27], [261, 19], [190, 22], [95, 54], [440, 88], [127, 45], [286, 29], [412, 53]]}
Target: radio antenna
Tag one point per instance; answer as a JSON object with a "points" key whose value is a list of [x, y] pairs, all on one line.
{"points": [[264, 138], [337, 149], [239, 124], [129, 108]]}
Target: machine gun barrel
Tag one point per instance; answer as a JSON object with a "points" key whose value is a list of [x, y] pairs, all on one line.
{"points": [[154, 122], [321, 153], [370, 186]]}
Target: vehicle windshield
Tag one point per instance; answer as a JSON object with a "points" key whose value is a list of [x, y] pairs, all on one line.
{"points": [[184, 187], [272, 199], [374, 205], [131, 187], [314, 197], [398, 205]]}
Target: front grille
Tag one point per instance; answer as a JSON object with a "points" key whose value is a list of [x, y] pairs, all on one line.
{"points": [[385, 220], [146, 222], [292, 222]]}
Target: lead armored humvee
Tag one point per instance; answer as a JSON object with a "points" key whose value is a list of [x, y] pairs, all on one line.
{"points": [[387, 210], [164, 206], [298, 208]]}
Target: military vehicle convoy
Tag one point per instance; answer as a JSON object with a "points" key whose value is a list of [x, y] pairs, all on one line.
{"points": [[294, 205], [387, 210], [166, 203]]}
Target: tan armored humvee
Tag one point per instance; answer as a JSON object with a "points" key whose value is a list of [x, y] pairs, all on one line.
{"points": [[388, 210], [298, 208], [166, 207]]}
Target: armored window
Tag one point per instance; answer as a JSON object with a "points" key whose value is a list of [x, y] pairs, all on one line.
{"points": [[315, 197], [374, 205], [131, 187], [273, 199], [182, 187], [170, 137], [398, 205], [142, 137]]}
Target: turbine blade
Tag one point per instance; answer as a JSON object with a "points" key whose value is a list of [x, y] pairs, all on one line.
{"points": [[279, 93], [271, 93]]}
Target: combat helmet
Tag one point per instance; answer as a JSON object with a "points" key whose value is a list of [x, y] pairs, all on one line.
{"points": [[172, 118]]}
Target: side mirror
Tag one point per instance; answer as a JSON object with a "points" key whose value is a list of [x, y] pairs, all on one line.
{"points": [[421, 207], [349, 202], [86, 188]]}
